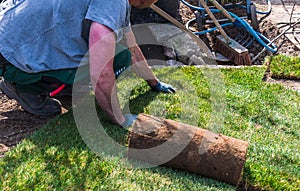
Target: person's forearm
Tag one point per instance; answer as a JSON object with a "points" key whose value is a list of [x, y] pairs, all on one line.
{"points": [[141, 68], [102, 48], [139, 63], [106, 95]]}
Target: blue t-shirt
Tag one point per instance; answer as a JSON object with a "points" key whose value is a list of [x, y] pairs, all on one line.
{"points": [[41, 35]]}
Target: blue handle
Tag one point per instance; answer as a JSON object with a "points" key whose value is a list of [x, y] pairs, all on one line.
{"points": [[261, 39]]}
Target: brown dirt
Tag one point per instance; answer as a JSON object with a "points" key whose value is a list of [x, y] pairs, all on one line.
{"points": [[16, 124], [201, 152]]}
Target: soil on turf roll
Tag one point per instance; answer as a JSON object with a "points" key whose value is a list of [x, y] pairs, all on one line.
{"points": [[195, 150]]}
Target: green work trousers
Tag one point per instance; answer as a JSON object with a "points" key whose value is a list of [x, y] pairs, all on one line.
{"points": [[30, 81]]}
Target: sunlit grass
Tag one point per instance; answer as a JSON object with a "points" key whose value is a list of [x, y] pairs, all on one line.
{"points": [[282, 66], [240, 105]]}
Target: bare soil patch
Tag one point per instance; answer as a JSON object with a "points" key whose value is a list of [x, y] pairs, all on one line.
{"points": [[16, 124]]}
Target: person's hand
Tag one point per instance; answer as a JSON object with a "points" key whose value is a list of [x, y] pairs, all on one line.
{"points": [[129, 120], [163, 87]]}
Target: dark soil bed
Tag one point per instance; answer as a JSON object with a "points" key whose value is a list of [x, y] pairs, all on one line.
{"points": [[17, 124]]}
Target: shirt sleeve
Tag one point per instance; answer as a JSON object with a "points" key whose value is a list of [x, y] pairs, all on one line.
{"points": [[113, 13]]}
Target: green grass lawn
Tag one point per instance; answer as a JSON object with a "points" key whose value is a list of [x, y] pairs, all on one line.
{"points": [[283, 66], [233, 102]]}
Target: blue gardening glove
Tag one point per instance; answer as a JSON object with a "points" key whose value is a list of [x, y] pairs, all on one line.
{"points": [[129, 120], [163, 87]]}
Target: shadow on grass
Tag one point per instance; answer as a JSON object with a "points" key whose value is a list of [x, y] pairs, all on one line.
{"points": [[56, 157], [139, 103], [56, 154]]}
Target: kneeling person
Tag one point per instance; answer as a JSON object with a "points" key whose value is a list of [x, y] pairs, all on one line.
{"points": [[43, 43]]}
